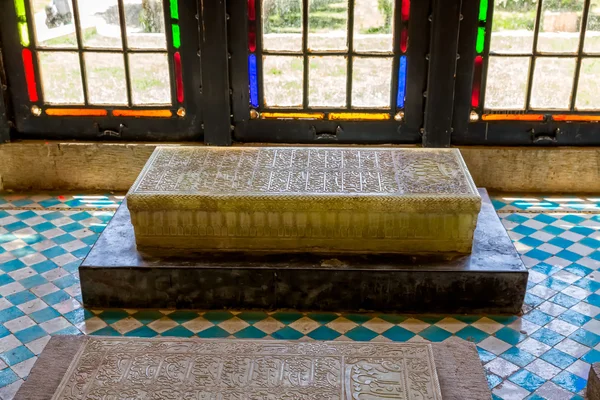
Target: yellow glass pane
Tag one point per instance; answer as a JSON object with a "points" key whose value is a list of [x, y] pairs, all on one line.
{"points": [[576, 118], [512, 117], [291, 115], [355, 116], [143, 113], [76, 112]]}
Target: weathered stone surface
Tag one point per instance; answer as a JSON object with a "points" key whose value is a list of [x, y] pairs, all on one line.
{"points": [[305, 199], [234, 369], [593, 385], [459, 370]]}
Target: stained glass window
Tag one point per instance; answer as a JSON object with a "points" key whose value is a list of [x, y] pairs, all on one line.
{"points": [[99, 58], [323, 58], [542, 59]]}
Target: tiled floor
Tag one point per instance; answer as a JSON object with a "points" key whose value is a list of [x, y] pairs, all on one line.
{"points": [[544, 354]]}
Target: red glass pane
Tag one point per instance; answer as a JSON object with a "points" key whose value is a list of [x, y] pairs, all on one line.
{"points": [[251, 10], [252, 37], [405, 12], [404, 39], [30, 75], [178, 77], [475, 94]]}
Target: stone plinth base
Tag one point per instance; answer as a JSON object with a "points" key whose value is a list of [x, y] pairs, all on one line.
{"points": [[79, 367], [593, 385], [491, 279], [285, 199]]}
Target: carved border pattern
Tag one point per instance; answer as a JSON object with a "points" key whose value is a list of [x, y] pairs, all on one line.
{"points": [[230, 369], [285, 179], [302, 170]]}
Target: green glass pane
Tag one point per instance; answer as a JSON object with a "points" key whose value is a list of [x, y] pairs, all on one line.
{"points": [[483, 8], [480, 39], [24, 33], [176, 36], [20, 8], [175, 9]]}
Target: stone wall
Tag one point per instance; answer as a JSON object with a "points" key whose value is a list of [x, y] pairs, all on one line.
{"points": [[39, 165]]}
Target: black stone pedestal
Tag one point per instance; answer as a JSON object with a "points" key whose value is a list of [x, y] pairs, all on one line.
{"points": [[492, 279]]}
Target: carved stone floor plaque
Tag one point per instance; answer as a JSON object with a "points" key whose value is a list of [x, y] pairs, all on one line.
{"points": [[119, 368], [370, 200]]}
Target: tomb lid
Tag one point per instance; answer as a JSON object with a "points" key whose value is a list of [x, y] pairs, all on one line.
{"points": [[301, 178]]}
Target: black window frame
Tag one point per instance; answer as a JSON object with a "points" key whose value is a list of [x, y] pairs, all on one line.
{"points": [[513, 132], [5, 123], [407, 131], [438, 90], [175, 128]]}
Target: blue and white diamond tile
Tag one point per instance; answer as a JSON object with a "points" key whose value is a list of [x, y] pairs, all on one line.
{"points": [[543, 354], [541, 203], [66, 201]]}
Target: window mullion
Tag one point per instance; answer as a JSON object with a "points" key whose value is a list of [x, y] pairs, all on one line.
{"points": [[536, 33], [80, 51], [305, 53], [4, 127], [582, 31], [123, 23], [350, 56]]}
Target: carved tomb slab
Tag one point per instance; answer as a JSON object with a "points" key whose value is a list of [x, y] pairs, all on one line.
{"points": [[249, 369], [305, 199]]}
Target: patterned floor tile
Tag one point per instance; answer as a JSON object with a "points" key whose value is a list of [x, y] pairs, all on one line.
{"points": [[545, 353], [545, 203], [59, 201]]}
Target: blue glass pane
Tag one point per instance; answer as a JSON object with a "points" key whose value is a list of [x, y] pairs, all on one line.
{"points": [[401, 82], [252, 71]]}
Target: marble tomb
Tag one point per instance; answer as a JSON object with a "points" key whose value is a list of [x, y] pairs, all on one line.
{"points": [[305, 199], [306, 228]]}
